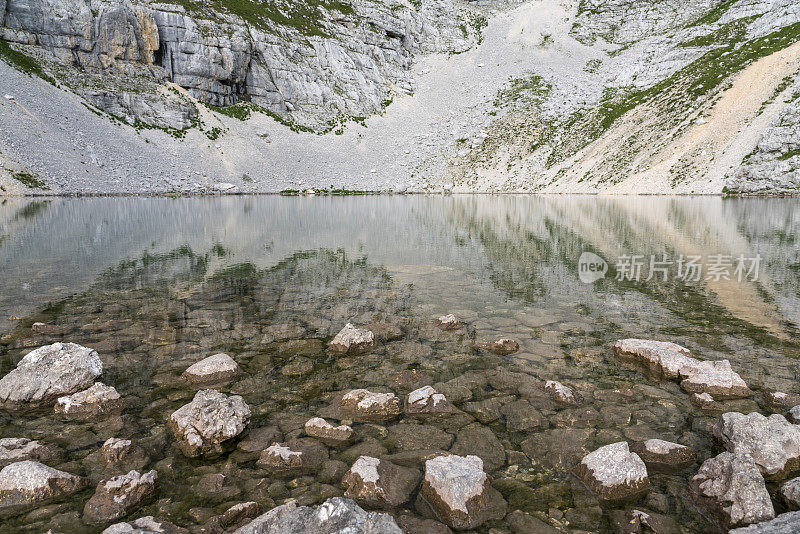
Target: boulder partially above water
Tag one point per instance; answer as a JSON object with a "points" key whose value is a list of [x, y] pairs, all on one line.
{"points": [[352, 340], [120, 495], [380, 483], [47, 373], [730, 490], [459, 491], [614, 473], [772, 442], [215, 369], [96, 401], [366, 406], [207, 425], [663, 359], [26, 485], [336, 515]]}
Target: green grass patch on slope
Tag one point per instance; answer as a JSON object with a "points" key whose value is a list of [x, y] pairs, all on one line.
{"points": [[29, 180], [23, 62], [305, 16]]}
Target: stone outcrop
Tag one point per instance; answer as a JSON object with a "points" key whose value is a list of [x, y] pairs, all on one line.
{"points": [[117, 497], [333, 516], [379, 483], [47, 373], [96, 401], [352, 340], [614, 473], [26, 485], [207, 425], [772, 442], [664, 456], [730, 490], [212, 370], [365, 406], [669, 361], [19, 449], [459, 492]]}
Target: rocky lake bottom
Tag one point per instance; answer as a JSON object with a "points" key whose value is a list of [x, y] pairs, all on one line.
{"points": [[519, 392]]}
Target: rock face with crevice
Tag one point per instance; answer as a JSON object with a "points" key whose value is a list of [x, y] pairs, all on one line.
{"points": [[310, 64], [47, 373]]}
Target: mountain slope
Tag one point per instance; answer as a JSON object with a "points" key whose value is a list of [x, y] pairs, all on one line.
{"points": [[593, 96]]}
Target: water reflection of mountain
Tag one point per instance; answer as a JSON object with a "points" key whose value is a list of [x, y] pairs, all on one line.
{"points": [[525, 246], [536, 241]]}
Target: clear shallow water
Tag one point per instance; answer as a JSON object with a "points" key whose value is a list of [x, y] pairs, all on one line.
{"points": [[156, 284]]}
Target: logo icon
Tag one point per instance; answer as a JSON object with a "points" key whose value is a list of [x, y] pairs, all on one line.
{"points": [[591, 268]]}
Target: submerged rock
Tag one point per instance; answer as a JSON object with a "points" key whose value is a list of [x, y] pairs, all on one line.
{"points": [[772, 442], [319, 428], [459, 491], [49, 372], [119, 496], [212, 370], [20, 449], [235, 516], [730, 490], [116, 456], [352, 340], [664, 456], [26, 485], [96, 401], [368, 407], [663, 359], [206, 426], [380, 483], [334, 516], [561, 393], [448, 323], [503, 346], [614, 473], [145, 525], [788, 523], [296, 457], [427, 400]]}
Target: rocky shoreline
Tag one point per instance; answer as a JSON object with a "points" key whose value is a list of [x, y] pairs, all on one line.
{"points": [[433, 484]]}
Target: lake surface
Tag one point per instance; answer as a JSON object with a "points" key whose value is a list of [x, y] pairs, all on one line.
{"points": [[156, 284]]}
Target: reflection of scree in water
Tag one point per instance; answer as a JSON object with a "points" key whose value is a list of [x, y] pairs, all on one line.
{"points": [[591, 267]]}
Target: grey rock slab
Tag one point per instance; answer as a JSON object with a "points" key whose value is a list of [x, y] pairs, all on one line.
{"points": [[145, 525], [366, 406], [98, 400], [19, 449], [664, 456], [352, 340], [788, 523]]}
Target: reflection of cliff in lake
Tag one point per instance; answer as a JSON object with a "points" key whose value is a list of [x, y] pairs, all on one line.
{"points": [[534, 242]]}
